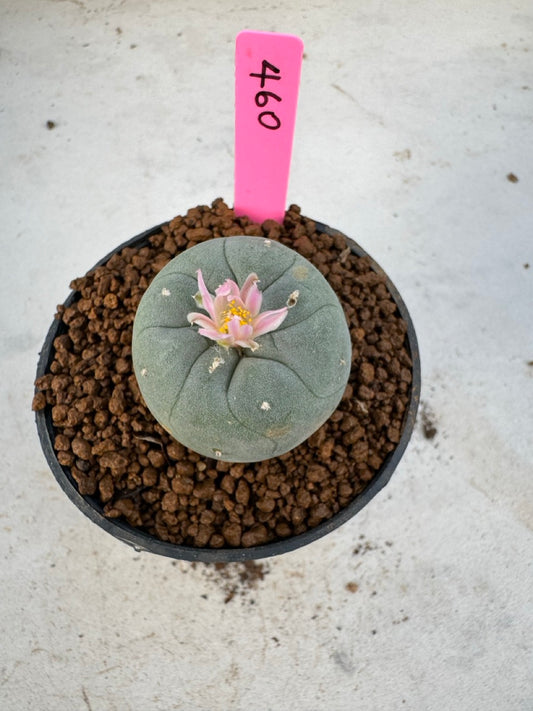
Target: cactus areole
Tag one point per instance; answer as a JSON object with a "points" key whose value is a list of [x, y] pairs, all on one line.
{"points": [[241, 348]]}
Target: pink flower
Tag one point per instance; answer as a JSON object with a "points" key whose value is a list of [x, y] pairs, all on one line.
{"points": [[234, 318]]}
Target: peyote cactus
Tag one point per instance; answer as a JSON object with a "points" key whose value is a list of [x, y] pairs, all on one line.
{"points": [[264, 370]]}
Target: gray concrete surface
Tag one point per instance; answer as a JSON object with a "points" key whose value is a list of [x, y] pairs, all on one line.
{"points": [[412, 117]]}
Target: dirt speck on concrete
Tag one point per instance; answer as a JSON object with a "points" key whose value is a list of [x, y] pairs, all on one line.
{"points": [[428, 421], [236, 580]]}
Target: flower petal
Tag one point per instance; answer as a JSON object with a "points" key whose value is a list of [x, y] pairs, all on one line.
{"points": [[211, 333], [251, 295], [235, 329], [269, 320], [229, 289], [251, 279], [241, 334], [219, 307], [201, 320], [207, 299]]}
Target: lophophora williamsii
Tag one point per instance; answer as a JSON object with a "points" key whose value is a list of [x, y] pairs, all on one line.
{"points": [[241, 348]]}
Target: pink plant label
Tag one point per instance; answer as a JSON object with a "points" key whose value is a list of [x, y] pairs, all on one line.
{"points": [[267, 77]]}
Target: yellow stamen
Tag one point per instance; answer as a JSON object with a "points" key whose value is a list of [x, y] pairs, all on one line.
{"points": [[230, 312]]}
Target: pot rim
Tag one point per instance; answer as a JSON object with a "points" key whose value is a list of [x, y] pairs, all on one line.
{"points": [[142, 541]]}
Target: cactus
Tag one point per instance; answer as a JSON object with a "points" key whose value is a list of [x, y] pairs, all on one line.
{"points": [[248, 384]]}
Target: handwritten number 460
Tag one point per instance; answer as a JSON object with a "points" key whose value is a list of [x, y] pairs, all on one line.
{"points": [[267, 119]]}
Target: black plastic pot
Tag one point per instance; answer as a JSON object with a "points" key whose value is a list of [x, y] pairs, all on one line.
{"points": [[91, 507]]}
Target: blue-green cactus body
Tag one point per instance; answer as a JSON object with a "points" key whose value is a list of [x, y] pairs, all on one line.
{"points": [[236, 404]]}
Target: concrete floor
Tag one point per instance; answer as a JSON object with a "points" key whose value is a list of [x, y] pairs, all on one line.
{"points": [[413, 119]]}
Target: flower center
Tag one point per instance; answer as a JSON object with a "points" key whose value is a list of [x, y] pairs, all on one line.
{"points": [[232, 310]]}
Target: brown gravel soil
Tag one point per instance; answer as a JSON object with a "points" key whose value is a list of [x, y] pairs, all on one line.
{"points": [[105, 436]]}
